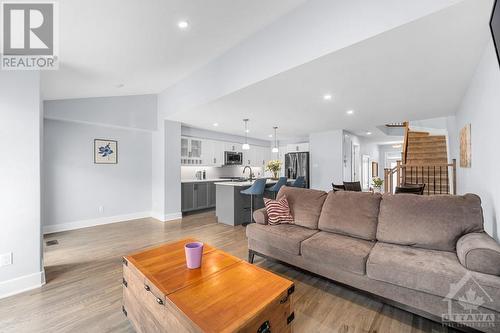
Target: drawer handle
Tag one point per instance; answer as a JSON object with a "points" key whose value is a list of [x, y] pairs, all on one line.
{"points": [[125, 283], [147, 287], [284, 299], [159, 301]]}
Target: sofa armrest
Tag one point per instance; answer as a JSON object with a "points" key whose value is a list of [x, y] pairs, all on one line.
{"points": [[260, 216], [479, 252]]}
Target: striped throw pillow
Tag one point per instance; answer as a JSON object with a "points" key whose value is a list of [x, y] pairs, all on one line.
{"points": [[278, 211]]}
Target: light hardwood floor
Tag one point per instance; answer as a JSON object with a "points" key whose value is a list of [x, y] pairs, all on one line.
{"points": [[83, 291]]}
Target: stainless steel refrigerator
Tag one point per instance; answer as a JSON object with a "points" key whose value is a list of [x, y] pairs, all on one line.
{"points": [[297, 164]]}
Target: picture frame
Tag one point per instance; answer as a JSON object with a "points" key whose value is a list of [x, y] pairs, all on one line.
{"points": [[105, 151]]}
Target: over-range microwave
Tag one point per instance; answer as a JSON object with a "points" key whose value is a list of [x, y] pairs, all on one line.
{"points": [[233, 158]]}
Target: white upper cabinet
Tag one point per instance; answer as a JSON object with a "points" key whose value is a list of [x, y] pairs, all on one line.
{"points": [[297, 147], [203, 152]]}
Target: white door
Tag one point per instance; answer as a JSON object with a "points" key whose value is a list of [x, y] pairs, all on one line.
{"points": [[365, 172], [355, 164]]}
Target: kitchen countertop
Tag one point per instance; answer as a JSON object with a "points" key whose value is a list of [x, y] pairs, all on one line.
{"points": [[203, 180], [249, 183]]}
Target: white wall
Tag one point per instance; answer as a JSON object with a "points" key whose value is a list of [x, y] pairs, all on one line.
{"points": [[325, 159], [139, 111], [80, 193], [20, 217], [372, 149], [481, 108], [166, 171]]}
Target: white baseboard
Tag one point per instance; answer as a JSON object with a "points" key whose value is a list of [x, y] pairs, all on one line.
{"points": [[21, 284], [166, 217], [93, 222]]}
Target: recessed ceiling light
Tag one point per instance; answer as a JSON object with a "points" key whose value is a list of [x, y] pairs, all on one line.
{"points": [[216, 124], [247, 131], [183, 25], [270, 135], [368, 133], [350, 112], [327, 97]]}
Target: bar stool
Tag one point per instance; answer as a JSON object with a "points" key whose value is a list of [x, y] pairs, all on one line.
{"points": [[257, 188], [276, 187], [300, 181]]}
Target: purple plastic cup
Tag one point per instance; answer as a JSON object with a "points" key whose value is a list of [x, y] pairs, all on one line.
{"points": [[194, 252]]}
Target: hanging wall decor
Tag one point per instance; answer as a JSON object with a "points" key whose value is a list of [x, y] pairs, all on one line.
{"points": [[105, 151]]}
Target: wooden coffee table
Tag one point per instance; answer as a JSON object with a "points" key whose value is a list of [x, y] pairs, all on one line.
{"points": [[227, 294]]}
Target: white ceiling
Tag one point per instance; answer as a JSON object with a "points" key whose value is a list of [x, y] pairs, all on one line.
{"points": [[138, 44], [417, 71]]}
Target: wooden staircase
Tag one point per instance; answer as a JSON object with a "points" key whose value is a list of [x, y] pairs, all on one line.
{"points": [[424, 161]]}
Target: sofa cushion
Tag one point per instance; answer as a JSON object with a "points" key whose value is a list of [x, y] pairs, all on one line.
{"points": [[278, 211], [479, 252], [434, 272], [342, 252], [286, 237], [351, 213], [432, 222], [305, 205]]}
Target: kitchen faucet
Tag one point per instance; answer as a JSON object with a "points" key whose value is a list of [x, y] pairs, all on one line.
{"points": [[251, 173]]}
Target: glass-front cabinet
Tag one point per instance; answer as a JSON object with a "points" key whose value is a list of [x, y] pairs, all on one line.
{"points": [[191, 151]]}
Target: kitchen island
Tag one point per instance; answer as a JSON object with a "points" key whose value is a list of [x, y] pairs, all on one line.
{"points": [[232, 207]]}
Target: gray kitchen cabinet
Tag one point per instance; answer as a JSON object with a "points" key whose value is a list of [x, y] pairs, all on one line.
{"points": [[201, 195], [197, 195], [211, 194], [187, 195]]}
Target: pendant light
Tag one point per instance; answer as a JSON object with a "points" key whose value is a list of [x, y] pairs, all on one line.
{"points": [[275, 148], [246, 146]]}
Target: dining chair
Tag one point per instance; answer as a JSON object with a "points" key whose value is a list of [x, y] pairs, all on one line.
{"points": [[410, 189], [353, 186], [337, 188]]}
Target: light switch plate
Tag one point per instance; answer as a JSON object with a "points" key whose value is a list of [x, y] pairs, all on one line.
{"points": [[6, 259]]}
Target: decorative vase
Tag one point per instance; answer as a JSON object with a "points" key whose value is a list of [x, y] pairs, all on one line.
{"points": [[377, 189], [275, 174], [194, 252]]}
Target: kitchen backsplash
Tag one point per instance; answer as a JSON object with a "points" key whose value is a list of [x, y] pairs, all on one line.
{"points": [[189, 172]]}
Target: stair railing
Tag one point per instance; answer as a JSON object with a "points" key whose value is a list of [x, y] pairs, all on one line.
{"points": [[405, 142], [436, 177]]}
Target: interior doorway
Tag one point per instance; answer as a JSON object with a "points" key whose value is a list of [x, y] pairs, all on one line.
{"points": [[365, 172], [355, 163]]}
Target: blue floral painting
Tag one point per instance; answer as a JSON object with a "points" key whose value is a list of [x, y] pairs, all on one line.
{"points": [[105, 151]]}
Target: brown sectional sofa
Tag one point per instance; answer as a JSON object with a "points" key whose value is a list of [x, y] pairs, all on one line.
{"points": [[420, 253]]}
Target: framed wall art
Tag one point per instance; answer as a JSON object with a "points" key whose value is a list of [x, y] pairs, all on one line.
{"points": [[105, 151]]}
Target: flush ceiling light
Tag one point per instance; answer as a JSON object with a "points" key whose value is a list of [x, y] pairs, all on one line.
{"points": [[216, 124], [275, 148], [349, 112], [327, 97], [183, 25], [246, 146]]}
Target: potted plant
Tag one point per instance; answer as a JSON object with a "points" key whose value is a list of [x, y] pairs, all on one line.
{"points": [[377, 184], [274, 166]]}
